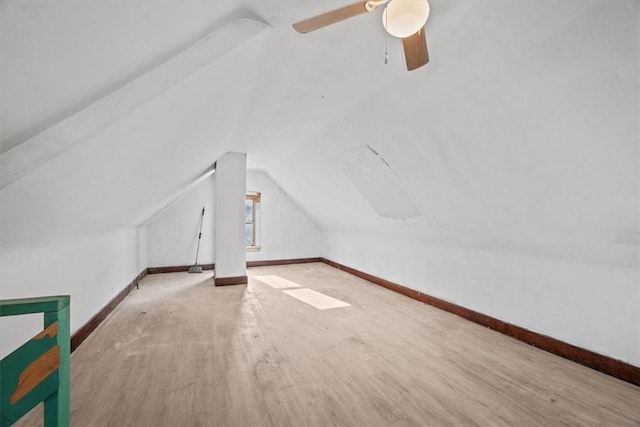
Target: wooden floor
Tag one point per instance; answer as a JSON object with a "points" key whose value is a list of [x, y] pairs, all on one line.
{"points": [[180, 352]]}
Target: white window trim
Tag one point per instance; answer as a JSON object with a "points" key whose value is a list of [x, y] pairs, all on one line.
{"points": [[256, 197]]}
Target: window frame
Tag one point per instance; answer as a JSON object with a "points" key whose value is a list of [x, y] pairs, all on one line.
{"points": [[255, 198]]}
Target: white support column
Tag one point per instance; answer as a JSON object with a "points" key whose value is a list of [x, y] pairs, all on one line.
{"points": [[231, 188]]}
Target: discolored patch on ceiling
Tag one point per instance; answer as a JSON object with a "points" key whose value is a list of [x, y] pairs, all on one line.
{"points": [[372, 176]]}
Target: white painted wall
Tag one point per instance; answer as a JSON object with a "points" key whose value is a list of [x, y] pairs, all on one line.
{"points": [[142, 245], [286, 231], [91, 268], [594, 306], [172, 234], [231, 187]]}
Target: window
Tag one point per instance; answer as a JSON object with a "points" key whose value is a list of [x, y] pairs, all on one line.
{"points": [[252, 221]]}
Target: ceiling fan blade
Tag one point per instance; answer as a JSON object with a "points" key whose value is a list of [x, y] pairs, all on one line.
{"points": [[331, 17], [415, 50]]}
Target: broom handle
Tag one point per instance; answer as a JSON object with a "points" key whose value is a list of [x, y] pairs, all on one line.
{"points": [[199, 236]]}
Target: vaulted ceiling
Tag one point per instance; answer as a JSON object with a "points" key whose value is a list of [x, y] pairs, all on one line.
{"points": [[502, 141]]}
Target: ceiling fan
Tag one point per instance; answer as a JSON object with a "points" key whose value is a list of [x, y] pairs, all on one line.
{"points": [[404, 19]]}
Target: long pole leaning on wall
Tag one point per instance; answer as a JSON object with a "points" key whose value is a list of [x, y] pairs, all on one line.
{"points": [[39, 370]]}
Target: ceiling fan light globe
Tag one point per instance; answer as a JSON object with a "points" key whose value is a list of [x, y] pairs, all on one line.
{"points": [[403, 18]]}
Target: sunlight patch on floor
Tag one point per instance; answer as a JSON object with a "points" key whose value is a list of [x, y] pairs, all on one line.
{"points": [[277, 282], [316, 299]]}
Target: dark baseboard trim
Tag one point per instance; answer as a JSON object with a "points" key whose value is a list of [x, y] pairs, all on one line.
{"points": [[176, 268], [81, 334], [226, 281], [262, 263], [599, 362]]}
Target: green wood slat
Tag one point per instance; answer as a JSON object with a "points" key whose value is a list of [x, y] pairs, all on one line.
{"points": [[57, 406], [10, 369], [4, 421], [12, 307]]}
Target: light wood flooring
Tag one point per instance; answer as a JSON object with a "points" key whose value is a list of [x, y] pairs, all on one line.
{"points": [[180, 352]]}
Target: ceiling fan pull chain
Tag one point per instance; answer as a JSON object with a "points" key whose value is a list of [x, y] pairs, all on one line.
{"points": [[386, 49]]}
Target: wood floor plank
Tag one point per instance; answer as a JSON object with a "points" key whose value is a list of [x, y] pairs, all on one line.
{"points": [[181, 352]]}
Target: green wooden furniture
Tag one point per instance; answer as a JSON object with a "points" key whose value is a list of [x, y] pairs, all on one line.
{"points": [[39, 369]]}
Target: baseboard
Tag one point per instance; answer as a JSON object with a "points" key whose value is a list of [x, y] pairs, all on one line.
{"points": [[599, 362], [259, 263], [81, 334], [227, 281], [176, 268], [265, 263]]}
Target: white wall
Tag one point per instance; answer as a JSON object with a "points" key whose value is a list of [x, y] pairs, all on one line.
{"points": [[91, 268], [593, 306], [142, 245], [286, 231], [172, 234]]}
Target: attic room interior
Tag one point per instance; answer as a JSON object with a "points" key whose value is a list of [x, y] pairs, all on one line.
{"points": [[273, 213]]}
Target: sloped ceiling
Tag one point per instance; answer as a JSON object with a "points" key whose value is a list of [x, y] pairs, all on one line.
{"points": [[520, 134]]}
